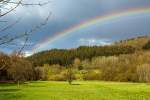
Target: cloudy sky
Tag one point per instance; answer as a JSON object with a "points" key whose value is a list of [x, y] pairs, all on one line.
{"points": [[69, 13]]}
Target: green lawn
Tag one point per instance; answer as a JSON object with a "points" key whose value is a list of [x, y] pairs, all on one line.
{"points": [[87, 90]]}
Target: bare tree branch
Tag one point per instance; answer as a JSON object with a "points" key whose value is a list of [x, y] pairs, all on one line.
{"points": [[33, 30], [7, 39], [10, 26], [1, 15], [28, 4]]}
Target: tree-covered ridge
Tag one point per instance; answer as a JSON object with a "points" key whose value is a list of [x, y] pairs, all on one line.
{"points": [[137, 42], [66, 57]]}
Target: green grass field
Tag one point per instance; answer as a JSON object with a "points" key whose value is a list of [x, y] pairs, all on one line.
{"points": [[87, 90]]}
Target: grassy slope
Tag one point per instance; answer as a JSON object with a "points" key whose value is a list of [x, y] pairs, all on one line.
{"points": [[85, 91]]}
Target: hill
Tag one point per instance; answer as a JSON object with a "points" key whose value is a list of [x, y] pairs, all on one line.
{"points": [[66, 57], [137, 42]]}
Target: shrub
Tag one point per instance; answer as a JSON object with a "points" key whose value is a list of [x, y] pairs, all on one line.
{"points": [[92, 75], [57, 77]]}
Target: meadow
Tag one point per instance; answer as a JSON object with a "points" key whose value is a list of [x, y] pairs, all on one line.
{"points": [[80, 90]]}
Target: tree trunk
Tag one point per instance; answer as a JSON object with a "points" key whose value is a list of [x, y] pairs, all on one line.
{"points": [[18, 84]]}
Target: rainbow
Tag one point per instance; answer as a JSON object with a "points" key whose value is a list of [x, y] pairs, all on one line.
{"points": [[84, 24]]}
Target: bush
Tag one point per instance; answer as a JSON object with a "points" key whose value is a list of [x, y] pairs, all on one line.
{"points": [[57, 77], [80, 75], [88, 75], [92, 75], [62, 76]]}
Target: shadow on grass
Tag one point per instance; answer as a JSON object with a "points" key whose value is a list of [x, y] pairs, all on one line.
{"points": [[147, 83], [11, 94], [75, 84], [35, 86], [9, 90]]}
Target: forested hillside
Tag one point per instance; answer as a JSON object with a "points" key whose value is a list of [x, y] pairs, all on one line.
{"points": [[137, 42], [66, 57]]}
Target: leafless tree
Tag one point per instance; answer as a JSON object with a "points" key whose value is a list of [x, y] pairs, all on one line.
{"points": [[7, 39], [143, 72]]}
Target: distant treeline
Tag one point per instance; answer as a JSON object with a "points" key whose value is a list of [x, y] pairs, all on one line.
{"points": [[66, 57]]}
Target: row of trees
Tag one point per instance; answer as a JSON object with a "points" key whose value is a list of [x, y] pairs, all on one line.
{"points": [[14, 68], [123, 68], [129, 67], [66, 57], [134, 68]]}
